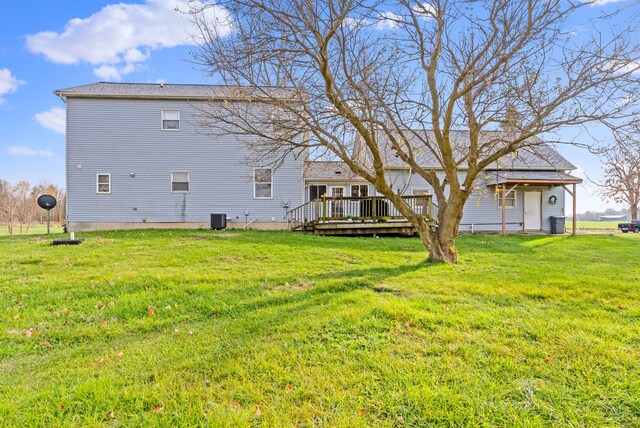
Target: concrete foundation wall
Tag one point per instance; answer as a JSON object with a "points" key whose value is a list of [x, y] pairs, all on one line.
{"points": [[96, 226]]}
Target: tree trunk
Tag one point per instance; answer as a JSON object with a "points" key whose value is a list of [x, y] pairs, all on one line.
{"points": [[441, 242], [634, 211], [442, 247]]}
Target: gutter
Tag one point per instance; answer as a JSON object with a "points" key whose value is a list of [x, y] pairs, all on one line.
{"points": [[170, 97]]}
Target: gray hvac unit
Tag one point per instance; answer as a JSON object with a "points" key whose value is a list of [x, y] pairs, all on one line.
{"points": [[218, 221]]}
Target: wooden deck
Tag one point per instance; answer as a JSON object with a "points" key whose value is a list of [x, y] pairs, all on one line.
{"points": [[358, 216], [403, 228]]}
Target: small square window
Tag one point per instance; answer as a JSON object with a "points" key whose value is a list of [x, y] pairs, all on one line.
{"points": [[262, 183], [171, 120], [509, 201], [419, 191], [180, 182], [359, 191], [103, 183]]}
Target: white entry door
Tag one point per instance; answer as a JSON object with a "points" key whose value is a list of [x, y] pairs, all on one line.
{"points": [[533, 210]]}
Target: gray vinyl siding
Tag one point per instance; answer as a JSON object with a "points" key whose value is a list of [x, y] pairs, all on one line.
{"points": [[124, 136], [482, 212]]}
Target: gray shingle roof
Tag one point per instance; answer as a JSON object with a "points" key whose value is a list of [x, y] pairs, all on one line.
{"points": [[539, 161], [329, 170], [499, 177], [167, 90], [539, 155]]}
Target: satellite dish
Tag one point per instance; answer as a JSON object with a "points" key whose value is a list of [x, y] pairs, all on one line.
{"points": [[47, 202]]}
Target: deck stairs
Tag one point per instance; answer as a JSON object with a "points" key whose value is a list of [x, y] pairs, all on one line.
{"points": [[372, 215]]}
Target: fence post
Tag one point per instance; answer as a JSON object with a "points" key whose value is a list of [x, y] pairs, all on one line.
{"points": [[425, 208], [316, 210], [374, 208], [324, 208]]}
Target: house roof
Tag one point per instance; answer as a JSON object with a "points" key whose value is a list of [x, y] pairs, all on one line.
{"points": [[536, 156], [531, 177], [539, 161], [167, 90], [329, 170]]}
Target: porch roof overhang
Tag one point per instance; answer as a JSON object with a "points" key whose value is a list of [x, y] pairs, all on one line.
{"points": [[532, 178], [510, 180]]}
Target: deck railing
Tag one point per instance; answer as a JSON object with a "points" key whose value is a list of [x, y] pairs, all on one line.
{"points": [[356, 209]]}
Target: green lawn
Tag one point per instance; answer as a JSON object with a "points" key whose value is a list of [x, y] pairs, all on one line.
{"points": [[34, 229], [195, 328], [610, 226]]}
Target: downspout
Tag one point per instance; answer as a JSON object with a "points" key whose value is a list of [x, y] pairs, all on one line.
{"points": [[66, 160]]}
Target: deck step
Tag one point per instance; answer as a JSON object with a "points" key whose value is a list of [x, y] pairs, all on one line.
{"points": [[404, 228]]}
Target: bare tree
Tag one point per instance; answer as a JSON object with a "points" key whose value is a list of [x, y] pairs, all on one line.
{"points": [[8, 205], [621, 162], [25, 205], [401, 76], [18, 204]]}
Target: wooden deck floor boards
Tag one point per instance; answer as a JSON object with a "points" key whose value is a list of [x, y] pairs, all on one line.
{"points": [[363, 228]]}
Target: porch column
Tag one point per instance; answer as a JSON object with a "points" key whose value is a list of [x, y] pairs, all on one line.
{"points": [[575, 216], [504, 209]]}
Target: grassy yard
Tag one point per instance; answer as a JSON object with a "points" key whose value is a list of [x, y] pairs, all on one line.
{"points": [[34, 229], [195, 328], [609, 226]]}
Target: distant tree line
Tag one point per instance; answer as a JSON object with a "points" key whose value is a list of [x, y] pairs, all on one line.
{"points": [[19, 208], [595, 215]]}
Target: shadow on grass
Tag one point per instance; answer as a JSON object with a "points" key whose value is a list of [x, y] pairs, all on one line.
{"points": [[287, 289], [510, 244], [300, 239], [255, 312]]}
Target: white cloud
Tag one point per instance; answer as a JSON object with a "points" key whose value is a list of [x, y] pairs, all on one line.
{"points": [[28, 151], [602, 2], [121, 35], [388, 21], [55, 119], [425, 10], [8, 83], [392, 21], [631, 67], [112, 72], [354, 23]]}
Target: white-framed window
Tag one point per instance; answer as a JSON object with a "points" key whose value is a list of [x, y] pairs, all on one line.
{"points": [[180, 182], [418, 191], [170, 120], [509, 201], [262, 183], [359, 190], [103, 183], [316, 191]]}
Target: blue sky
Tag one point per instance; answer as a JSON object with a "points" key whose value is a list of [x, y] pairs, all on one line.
{"points": [[47, 45]]}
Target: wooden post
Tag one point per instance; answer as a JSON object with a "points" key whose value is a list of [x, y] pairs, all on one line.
{"points": [[374, 206], [575, 216], [425, 209], [324, 208], [504, 208]]}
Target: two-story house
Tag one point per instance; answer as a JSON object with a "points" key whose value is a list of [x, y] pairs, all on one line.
{"points": [[137, 156]]}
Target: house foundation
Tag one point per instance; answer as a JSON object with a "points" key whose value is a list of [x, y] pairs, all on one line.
{"points": [[98, 226]]}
